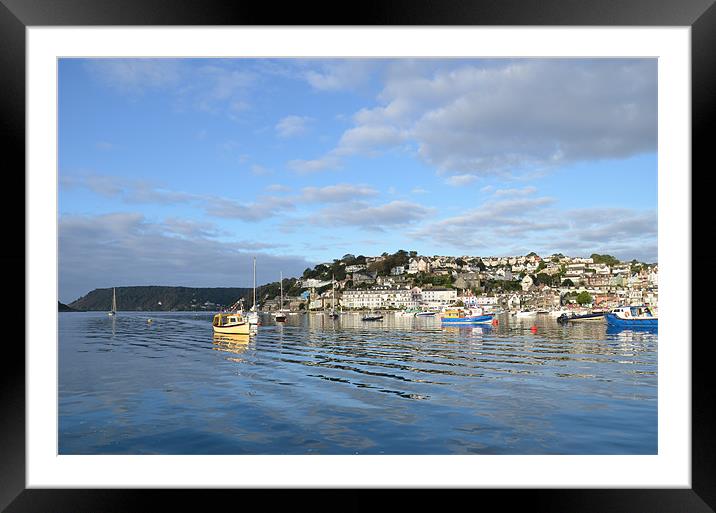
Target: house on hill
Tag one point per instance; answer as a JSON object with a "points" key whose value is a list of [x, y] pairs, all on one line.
{"points": [[364, 276]]}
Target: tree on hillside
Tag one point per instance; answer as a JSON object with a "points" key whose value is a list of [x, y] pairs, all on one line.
{"points": [[568, 283], [604, 259], [584, 298]]}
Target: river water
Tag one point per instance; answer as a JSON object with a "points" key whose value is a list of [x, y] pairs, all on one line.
{"points": [[319, 386]]}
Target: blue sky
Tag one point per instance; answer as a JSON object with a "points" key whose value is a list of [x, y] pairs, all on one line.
{"points": [[180, 171]]}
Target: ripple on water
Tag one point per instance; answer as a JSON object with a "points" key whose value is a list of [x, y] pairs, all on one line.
{"points": [[316, 386]]}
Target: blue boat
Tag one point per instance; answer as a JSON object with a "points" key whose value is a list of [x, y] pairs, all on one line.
{"points": [[632, 317], [460, 316]]}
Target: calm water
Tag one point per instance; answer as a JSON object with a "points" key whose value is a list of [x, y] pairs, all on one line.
{"points": [[318, 386]]}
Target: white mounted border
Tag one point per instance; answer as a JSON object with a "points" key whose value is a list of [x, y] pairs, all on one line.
{"points": [[670, 468]]}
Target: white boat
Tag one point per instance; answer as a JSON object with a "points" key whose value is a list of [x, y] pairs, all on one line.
{"points": [[526, 313], [558, 313], [633, 317], [253, 315], [333, 314], [113, 311], [280, 315]]}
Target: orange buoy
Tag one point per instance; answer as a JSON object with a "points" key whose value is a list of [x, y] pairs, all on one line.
{"points": [[495, 322], [533, 329]]}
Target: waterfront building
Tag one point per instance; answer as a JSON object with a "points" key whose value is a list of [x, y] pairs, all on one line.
{"points": [[438, 297], [382, 297]]}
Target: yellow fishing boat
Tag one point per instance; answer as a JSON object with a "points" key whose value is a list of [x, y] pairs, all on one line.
{"points": [[230, 323]]}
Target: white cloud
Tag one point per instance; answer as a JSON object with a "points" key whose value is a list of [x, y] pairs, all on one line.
{"points": [[515, 220], [292, 126], [336, 193], [277, 187], [136, 75], [460, 180], [336, 75], [524, 191], [372, 217], [511, 117], [259, 170], [142, 192], [311, 166], [140, 252]]}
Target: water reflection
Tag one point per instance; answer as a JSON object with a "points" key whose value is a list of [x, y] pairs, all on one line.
{"points": [[405, 385], [231, 343]]}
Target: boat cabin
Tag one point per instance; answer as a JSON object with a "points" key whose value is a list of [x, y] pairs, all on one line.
{"points": [[227, 319], [630, 312]]}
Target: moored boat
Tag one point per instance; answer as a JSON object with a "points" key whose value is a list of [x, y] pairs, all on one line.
{"points": [[526, 313], [465, 316], [372, 317], [230, 323], [280, 316], [333, 314], [558, 313], [589, 317], [113, 311], [632, 317], [253, 315]]}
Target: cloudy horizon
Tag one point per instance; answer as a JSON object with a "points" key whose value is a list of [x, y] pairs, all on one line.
{"points": [[180, 171]]}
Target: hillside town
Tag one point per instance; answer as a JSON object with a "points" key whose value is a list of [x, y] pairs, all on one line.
{"points": [[409, 281]]}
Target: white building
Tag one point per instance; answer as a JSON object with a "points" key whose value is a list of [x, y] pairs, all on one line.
{"points": [[527, 282], [503, 274], [438, 297], [418, 265], [380, 298], [397, 270]]}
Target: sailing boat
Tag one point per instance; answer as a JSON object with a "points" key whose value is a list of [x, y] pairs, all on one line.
{"points": [[333, 314], [280, 315], [113, 311], [253, 315]]}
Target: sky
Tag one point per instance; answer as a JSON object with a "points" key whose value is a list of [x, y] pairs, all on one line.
{"points": [[180, 171]]}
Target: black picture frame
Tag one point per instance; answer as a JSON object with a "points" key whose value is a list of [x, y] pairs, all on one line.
{"points": [[16, 15]]}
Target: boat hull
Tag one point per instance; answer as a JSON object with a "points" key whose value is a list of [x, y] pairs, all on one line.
{"points": [[233, 329], [599, 317], [613, 320]]}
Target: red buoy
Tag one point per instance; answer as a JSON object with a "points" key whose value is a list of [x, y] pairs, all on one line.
{"points": [[533, 329], [495, 322]]}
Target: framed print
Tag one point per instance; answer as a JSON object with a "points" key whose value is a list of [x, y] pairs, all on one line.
{"points": [[419, 248]]}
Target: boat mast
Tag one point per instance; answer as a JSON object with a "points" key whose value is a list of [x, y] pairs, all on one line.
{"points": [[114, 300], [281, 307], [333, 308], [254, 305]]}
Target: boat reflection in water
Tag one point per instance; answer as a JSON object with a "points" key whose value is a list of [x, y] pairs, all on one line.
{"points": [[231, 343], [468, 331]]}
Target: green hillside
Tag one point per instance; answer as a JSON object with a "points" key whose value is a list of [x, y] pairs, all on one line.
{"points": [[61, 307], [160, 298]]}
